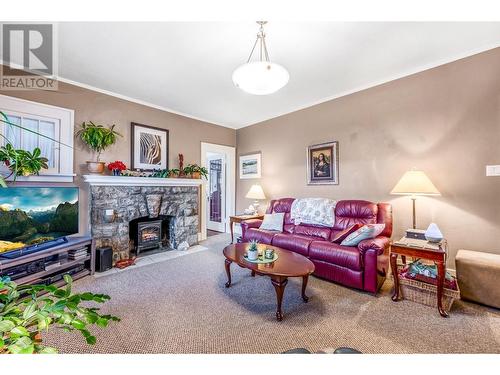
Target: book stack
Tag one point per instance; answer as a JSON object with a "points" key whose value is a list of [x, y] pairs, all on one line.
{"points": [[77, 253]]}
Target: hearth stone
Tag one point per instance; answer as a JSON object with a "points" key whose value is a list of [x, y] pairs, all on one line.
{"points": [[132, 202]]}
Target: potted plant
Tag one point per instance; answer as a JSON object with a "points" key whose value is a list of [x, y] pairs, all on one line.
{"points": [[97, 138], [22, 162], [25, 313], [195, 171], [117, 167], [186, 171], [253, 251], [174, 173]]}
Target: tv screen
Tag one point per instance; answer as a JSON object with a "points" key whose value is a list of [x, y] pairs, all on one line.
{"points": [[34, 215]]}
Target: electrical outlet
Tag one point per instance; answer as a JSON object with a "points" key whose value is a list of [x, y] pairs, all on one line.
{"points": [[493, 170]]}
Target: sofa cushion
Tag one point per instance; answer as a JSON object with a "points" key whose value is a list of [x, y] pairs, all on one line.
{"points": [[349, 212], [260, 235], [293, 242], [341, 236], [365, 232], [280, 205], [273, 222], [308, 230], [343, 256]]}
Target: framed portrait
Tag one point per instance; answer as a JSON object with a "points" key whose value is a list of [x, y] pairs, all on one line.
{"points": [[250, 166], [323, 164], [149, 147]]}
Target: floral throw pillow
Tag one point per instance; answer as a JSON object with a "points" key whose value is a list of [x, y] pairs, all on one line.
{"points": [[365, 232]]}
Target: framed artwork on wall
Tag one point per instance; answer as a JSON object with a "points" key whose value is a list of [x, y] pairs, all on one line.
{"points": [[250, 166], [323, 164], [149, 147]]}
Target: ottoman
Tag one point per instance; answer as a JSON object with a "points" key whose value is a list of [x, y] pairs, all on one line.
{"points": [[478, 276]]}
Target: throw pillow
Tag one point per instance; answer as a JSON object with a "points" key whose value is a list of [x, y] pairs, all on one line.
{"points": [[343, 235], [273, 222], [365, 232]]}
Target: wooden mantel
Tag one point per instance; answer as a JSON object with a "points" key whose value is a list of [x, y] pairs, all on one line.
{"points": [[103, 180]]}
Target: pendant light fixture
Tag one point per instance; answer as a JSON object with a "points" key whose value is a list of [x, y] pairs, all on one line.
{"points": [[261, 77]]}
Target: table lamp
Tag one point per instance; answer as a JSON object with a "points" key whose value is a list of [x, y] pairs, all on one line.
{"points": [[415, 183], [257, 194]]}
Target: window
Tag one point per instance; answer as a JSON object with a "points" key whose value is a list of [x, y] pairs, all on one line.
{"points": [[49, 121]]}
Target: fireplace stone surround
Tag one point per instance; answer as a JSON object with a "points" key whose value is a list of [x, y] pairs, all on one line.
{"points": [[114, 206]]}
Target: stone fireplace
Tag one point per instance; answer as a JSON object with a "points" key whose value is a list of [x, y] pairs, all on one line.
{"points": [[135, 219]]}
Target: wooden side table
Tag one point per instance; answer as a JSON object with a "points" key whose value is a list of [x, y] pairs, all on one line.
{"points": [[422, 250], [239, 219]]}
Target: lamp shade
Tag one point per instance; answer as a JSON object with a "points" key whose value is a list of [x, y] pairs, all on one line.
{"points": [[415, 183], [256, 192]]}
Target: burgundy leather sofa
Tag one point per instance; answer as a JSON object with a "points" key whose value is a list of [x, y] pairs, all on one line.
{"points": [[363, 267]]}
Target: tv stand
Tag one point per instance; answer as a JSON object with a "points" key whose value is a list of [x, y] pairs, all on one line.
{"points": [[37, 272], [13, 254]]}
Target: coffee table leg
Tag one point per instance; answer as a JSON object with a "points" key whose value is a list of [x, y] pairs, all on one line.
{"points": [[253, 273], [227, 264], [279, 284], [304, 286]]}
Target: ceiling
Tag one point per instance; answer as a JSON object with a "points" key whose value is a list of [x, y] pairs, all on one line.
{"points": [[186, 67]]}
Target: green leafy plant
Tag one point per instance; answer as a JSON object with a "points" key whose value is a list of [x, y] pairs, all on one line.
{"points": [[174, 172], [97, 137], [25, 314], [253, 245], [162, 173], [192, 169], [22, 162]]}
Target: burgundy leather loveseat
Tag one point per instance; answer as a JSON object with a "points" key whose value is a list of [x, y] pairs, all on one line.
{"points": [[363, 267]]}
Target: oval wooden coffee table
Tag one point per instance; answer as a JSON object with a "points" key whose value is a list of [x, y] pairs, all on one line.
{"points": [[288, 264]]}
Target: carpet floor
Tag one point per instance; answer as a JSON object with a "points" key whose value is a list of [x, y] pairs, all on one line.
{"points": [[181, 306]]}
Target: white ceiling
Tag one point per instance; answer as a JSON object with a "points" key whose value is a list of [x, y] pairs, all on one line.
{"points": [[186, 67]]}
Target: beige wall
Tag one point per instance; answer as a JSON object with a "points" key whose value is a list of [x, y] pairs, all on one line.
{"points": [[445, 121], [185, 134]]}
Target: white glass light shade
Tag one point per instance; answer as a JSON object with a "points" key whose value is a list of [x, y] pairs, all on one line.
{"points": [[260, 77]]}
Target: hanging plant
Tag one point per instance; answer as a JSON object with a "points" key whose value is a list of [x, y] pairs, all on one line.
{"points": [[21, 162]]}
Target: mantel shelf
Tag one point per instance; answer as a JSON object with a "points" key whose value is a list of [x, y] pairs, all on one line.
{"points": [[103, 180]]}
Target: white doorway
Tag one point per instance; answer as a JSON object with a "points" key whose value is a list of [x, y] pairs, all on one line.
{"points": [[218, 192]]}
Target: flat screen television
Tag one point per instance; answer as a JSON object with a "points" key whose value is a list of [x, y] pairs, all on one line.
{"points": [[32, 218]]}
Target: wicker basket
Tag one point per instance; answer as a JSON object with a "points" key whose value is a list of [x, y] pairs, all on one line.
{"points": [[426, 294]]}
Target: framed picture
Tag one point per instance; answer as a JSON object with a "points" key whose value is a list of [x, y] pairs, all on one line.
{"points": [[323, 164], [250, 165], [149, 147]]}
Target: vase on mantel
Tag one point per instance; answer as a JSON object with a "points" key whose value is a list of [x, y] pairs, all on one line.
{"points": [[117, 172]]}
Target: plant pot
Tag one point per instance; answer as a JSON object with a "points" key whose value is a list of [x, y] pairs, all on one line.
{"points": [[196, 175], [253, 254], [95, 166]]}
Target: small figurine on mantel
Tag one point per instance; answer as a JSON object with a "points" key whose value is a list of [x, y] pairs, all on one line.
{"points": [[181, 165]]}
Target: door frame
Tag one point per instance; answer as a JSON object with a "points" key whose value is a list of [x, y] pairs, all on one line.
{"points": [[230, 153]]}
